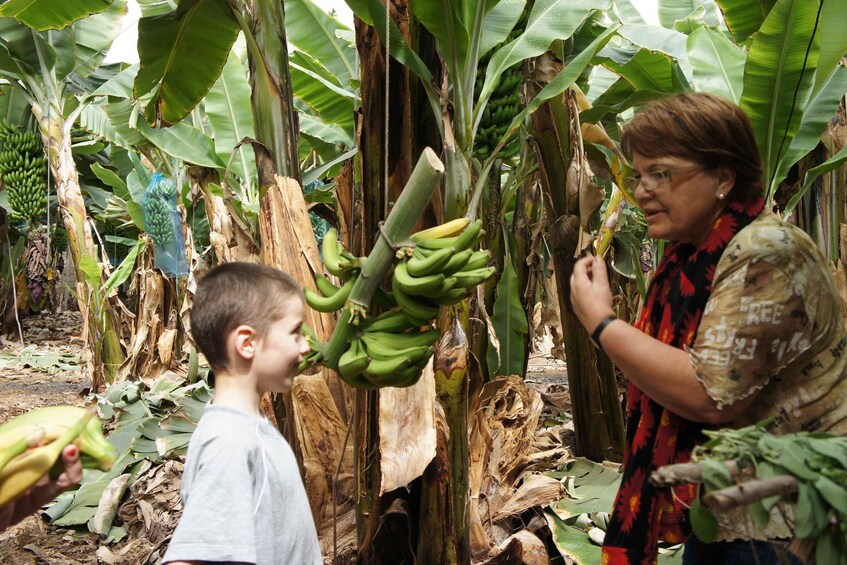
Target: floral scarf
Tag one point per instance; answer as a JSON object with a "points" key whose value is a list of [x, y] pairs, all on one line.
{"points": [[644, 514]]}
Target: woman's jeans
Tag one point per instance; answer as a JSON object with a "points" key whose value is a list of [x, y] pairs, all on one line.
{"points": [[738, 552]]}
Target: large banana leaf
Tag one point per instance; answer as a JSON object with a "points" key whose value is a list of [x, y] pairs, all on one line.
{"points": [[667, 41], [317, 88], [329, 133], [510, 325], [21, 57], [818, 112], [150, 8], [627, 12], [98, 120], [94, 35], [182, 54], [228, 107], [779, 76], [498, 23], [672, 11], [42, 15], [717, 62], [183, 142], [446, 22], [549, 20], [833, 39], [745, 17], [646, 70], [312, 31]]}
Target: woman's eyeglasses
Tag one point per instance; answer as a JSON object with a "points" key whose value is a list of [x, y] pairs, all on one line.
{"points": [[651, 181]]}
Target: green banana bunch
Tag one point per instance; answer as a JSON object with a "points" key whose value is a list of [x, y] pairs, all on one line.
{"points": [[379, 358], [31, 444], [505, 102], [159, 205], [442, 270], [23, 169], [331, 300]]}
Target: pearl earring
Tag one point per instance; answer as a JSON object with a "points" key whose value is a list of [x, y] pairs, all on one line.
{"points": [[721, 196]]}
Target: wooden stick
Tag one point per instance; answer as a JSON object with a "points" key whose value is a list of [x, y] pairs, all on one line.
{"points": [[749, 491], [670, 475]]}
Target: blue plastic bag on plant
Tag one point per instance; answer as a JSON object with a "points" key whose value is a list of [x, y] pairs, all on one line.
{"points": [[164, 225]]}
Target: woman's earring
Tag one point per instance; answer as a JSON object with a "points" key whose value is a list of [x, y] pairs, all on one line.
{"points": [[721, 196]]}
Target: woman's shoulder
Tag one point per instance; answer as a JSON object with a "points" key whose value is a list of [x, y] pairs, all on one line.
{"points": [[770, 238]]}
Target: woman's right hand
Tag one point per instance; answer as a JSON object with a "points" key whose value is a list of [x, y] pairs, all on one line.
{"points": [[591, 295]]}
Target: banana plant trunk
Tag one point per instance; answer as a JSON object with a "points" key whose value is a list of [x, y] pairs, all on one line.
{"points": [[102, 320], [598, 418], [275, 124]]}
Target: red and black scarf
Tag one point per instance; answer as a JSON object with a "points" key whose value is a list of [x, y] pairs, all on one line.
{"points": [[643, 514]]}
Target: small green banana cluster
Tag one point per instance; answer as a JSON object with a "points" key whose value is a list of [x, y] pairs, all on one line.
{"points": [[24, 172], [440, 269], [32, 443], [158, 207], [505, 102], [340, 263], [390, 350]]}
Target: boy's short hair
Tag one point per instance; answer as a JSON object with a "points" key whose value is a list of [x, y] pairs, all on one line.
{"points": [[235, 294]]}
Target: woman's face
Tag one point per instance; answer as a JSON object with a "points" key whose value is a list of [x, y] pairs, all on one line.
{"points": [[684, 208]]}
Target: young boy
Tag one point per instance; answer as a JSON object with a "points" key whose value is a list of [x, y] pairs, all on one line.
{"points": [[243, 499]]}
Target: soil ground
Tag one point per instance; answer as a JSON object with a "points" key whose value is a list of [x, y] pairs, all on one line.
{"points": [[45, 368]]}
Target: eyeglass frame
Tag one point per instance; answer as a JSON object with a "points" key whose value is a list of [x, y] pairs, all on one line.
{"points": [[659, 178]]}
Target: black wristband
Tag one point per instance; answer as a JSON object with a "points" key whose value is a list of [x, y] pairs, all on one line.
{"points": [[595, 335]]}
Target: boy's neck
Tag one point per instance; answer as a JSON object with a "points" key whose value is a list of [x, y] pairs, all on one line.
{"points": [[237, 391]]}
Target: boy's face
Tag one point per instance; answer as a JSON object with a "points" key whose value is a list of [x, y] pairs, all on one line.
{"points": [[280, 351]]}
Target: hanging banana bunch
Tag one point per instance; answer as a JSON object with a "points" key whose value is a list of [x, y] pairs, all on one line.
{"points": [[23, 170], [505, 102], [31, 444], [158, 206], [436, 267]]}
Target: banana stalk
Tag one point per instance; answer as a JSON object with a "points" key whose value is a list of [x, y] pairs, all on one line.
{"points": [[397, 228]]}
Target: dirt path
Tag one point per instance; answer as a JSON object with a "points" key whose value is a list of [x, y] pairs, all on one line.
{"points": [[46, 371]]}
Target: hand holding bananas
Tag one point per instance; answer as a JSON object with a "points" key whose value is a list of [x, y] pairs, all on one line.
{"points": [[436, 267], [32, 443], [44, 490]]}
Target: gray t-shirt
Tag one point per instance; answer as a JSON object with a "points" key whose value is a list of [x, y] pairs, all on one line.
{"points": [[243, 498]]}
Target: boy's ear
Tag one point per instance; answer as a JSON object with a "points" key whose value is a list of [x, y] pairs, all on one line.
{"points": [[244, 341]]}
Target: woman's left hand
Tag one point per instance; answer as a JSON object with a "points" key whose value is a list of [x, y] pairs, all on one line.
{"points": [[591, 295]]}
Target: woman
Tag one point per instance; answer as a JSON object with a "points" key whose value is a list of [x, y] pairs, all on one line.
{"points": [[741, 322]]}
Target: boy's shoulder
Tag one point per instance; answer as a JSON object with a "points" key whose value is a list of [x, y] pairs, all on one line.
{"points": [[226, 428]]}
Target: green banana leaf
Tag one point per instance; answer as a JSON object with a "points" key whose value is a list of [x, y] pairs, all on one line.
{"points": [[42, 15], [549, 20], [566, 77], [627, 12], [445, 20], [119, 85], [329, 133], [228, 108], [94, 35], [833, 39], [312, 31], [673, 11], [812, 175], [778, 78], [183, 142], [510, 325], [19, 42], [498, 24], [182, 55], [717, 62], [817, 113], [13, 105], [745, 17], [572, 542], [319, 90], [110, 121], [652, 38], [150, 8], [645, 70]]}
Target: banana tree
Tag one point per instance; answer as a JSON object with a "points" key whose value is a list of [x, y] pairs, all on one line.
{"points": [[464, 32], [47, 51]]}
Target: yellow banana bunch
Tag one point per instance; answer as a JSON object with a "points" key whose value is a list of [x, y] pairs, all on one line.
{"points": [[31, 444]]}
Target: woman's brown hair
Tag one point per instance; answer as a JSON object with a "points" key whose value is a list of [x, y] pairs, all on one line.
{"points": [[703, 128]]}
